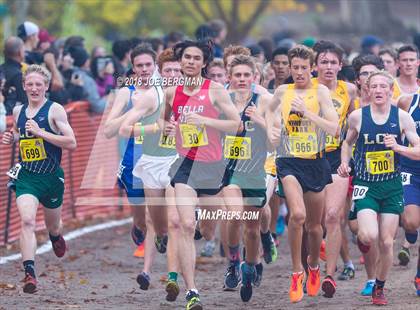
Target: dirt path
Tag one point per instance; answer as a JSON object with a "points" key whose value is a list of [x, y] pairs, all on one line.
{"points": [[99, 272]]}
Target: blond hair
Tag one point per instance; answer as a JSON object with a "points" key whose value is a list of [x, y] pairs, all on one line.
{"points": [[40, 70], [383, 73], [243, 60], [301, 51]]}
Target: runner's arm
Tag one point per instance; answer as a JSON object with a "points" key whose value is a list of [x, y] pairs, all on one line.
{"points": [[65, 140], [404, 102], [329, 121], [353, 95], [116, 117], [12, 135], [409, 130], [270, 112], [346, 148]]}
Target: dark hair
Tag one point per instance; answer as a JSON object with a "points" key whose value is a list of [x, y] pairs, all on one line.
{"points": [[206, 47], [390, 52], [120, 48], [267, 45], [174, 36], [74, 41], [324, 46], [134, 41], [155, 42], [347, 74], [144, 48], [280, 51], [217, 26], [12, 47], [364, 60], [94, 65], [255, 49], [408, 48], [204, 32]]}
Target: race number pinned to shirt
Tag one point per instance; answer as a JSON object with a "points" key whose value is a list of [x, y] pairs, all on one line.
{"points": [[406, 178], [380, 162], [331, 142], [14, 171], [167, 142], [32, 150], [237, 147], [138, 139], [359, 192], [303, 144], [193, 136]]}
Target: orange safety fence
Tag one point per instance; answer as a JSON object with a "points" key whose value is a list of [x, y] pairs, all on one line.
{"points": [[86, 179]]}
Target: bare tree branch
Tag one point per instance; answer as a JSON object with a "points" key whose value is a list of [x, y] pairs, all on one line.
{"points": [[221, 13], [234, 13], [253, 19], [200, 10]]}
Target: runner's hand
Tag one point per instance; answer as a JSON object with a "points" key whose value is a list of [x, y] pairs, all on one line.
{"points": [[298, 105], [275, 137], [8, 137], [390, 142], [32, 127], [170, 128], [194, 119], [344, 170]]}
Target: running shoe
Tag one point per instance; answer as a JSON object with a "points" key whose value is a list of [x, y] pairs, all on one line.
{"points": [[172, 290], [193, 301], [296, 287], [347, 274], [232, 278], [329, 287], [362, 247], [270, 251], [59, 247], [208, 249], [404, 256], [161, 243], [411, 237], [29, 285], [143, 279], [259, 267], [248, 277], [197, 234], [222, 250], [378, 296], [417, 285], [323, 251], [367, 290], [314, 281], [137, 235]]}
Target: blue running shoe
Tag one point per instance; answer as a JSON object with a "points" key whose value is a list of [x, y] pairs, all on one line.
{"points": [[137, 235], [367, 290], [143, 279], [249, 273], [232, 277]]}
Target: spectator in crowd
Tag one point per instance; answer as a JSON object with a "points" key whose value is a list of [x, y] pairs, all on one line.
{"points": [[97, 51], [173, 38], [14, 55], [82, 77], [389, 57], [371, 45], [268, 74], [216, 71], [309, 42], [28, 32], [204, 32], [74, 41], [220, 32], [102, 69], [267, 45], [121, 52], [45, 41], [157, 45]]}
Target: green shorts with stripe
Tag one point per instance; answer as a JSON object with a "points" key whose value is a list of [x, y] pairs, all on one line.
{"points": [[380, 196], [47, 188], [253, 188]]}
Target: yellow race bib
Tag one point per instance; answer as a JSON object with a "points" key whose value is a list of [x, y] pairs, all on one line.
{"points": [[331, 143], [380, 162], [303, 144], [139, 139], [237, 147], [167, 142], [32, 150], [193, 136]]}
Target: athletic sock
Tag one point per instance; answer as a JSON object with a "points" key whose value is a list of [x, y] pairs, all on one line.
{"points": [[349, 264], [234, 255], [265, 238], [29, 266], [172, 276], [54, 238], [379, 284]]}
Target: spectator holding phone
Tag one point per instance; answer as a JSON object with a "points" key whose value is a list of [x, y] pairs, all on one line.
{"points": [[103, 69]]}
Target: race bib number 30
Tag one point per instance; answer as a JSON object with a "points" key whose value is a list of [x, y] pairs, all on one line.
{"points": [[380, 162], [32, 150], [167, 142], [303, 144], [193, 136], [237, 147]]}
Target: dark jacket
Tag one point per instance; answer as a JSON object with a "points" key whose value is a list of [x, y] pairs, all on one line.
{"points": [[13, 89]]}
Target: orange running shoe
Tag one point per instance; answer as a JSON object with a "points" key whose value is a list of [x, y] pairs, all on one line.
{"points": [[314, 281], [296, 286], [323, 251]]}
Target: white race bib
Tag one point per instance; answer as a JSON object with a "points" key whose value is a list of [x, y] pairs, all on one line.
{"points": [[14, 171], [359, 192], [406, 178]]}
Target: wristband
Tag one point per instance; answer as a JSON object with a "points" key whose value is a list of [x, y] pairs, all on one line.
{"points": [[142, 131]]}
